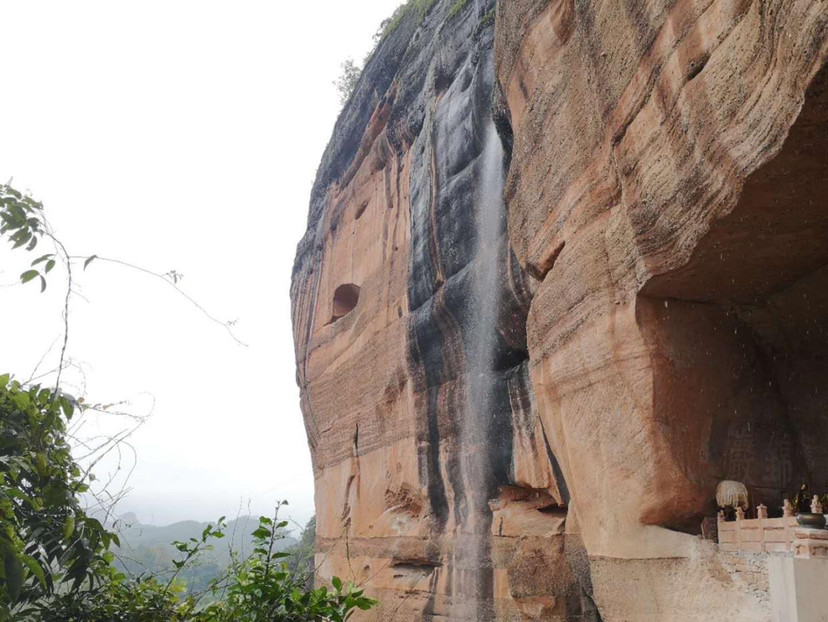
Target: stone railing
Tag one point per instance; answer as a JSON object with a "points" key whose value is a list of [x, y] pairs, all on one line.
{"points": [[773, 535], [758, 535]]}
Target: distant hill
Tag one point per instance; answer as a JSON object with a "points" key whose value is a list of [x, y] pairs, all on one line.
{"points": [[148, 549]]}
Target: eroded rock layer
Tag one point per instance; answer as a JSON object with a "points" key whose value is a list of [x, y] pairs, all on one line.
{"points": [[658, 272]]}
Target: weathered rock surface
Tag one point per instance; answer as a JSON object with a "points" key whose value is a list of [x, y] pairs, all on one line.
{"points": [[662, 292], [667, 187]]}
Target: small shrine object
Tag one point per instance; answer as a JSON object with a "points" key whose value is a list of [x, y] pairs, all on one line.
{"points": [[731, 494], [816, 506], [814, 519], [802, 500], [740, 513], [787, 508], [762, 511]]}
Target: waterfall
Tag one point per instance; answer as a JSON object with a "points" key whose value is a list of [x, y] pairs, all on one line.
{"points": [[490, 229], [474, 579]]}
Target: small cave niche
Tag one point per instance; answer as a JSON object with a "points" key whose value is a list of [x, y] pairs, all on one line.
{"points": [[345, 300]]}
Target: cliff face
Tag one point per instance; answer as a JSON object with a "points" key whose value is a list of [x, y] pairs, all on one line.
{"points": [[418, 407], [520, 410], [667, 187]]}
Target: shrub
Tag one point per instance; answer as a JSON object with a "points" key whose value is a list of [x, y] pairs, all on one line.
{"points": [[421, 6], [456, 8], [347, 80], [47, 541]]}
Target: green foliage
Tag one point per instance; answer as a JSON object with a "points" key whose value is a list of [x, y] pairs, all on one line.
{"points": [[347, 80], [422, 7], [301, 561], [56, 563], [456, 8], [386, 27], [22, 223], [487, 19], [47, 541], [261, 588], [20, 218], [264, 589], [118, 600], [147, 549]]}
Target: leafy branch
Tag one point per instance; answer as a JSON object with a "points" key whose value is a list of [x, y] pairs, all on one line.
{"points": [[195, 547]]}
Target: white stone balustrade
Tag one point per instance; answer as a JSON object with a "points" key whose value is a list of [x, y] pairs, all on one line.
{"points": [[758, 535]]}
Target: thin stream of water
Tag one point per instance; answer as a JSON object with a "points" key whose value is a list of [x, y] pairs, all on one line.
{"points": [[474, 578]]}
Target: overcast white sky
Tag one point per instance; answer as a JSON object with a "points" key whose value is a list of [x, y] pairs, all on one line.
{"points": [[177, 134]]}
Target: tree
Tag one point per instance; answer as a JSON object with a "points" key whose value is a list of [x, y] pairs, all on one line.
{"points": [[47, 540], [264, 589], [347, 80]]}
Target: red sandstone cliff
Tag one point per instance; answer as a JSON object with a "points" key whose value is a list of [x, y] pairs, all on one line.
{"points": [[661, 301]]}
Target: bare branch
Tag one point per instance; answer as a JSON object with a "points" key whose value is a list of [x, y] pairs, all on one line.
{"points": [[171, 278]]}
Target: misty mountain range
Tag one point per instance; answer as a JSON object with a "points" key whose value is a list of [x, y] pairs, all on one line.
{"points": [[149, 549]]}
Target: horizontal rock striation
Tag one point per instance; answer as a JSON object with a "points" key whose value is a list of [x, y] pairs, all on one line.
{"points": [[521, 410]]}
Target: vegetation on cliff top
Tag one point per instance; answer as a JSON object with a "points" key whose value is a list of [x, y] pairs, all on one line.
{"points": [[350, 72], [422, 7], [456, 8], [347, 80]]}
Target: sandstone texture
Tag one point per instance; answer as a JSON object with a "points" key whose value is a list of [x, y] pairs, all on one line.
{"points": [[660, 274]]}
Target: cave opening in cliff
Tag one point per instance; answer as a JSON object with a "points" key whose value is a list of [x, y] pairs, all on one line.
{"points": [[740, 333], [345, 300]]}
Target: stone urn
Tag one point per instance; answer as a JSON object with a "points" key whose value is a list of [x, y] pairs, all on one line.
{"points": [[811, 520]]}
